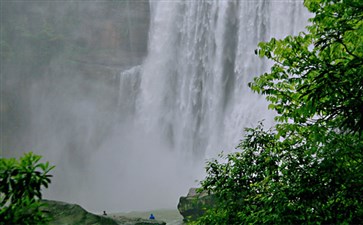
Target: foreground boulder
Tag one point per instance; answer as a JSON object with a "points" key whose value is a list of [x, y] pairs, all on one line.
{"points": [[71, 214], [194, 204]]}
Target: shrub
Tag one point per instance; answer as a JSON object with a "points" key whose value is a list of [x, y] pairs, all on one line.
{"points": [[21, 182]]}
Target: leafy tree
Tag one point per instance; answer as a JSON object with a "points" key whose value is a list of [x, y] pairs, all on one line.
{"points": [[317, 77], [290, 181], [20, 189], [307, 169]]}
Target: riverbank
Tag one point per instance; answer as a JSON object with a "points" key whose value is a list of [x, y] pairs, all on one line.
{"points": [[170, 216], [72, 214]]}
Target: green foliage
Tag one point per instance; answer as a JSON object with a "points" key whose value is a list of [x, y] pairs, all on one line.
{"points": [[318, 75], [298, 180], [308, 168], [20, 189]]}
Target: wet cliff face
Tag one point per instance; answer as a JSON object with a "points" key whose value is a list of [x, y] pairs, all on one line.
{"points": [[53, 53]]}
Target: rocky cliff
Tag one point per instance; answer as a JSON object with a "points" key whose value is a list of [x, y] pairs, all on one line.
{"points": [[76, 47]]}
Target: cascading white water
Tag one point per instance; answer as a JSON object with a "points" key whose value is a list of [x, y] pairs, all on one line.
{"points": [[186, 102], [193, 91]]}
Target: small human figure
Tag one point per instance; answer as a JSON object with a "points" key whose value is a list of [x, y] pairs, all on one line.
{"points": [[152, 217], [104, 213]]}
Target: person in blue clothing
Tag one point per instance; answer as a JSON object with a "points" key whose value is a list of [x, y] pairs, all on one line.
{"points": [[152, 217]]}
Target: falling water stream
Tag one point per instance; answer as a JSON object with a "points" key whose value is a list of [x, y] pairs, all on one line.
{"points": [[191, 89], [190, 94]]}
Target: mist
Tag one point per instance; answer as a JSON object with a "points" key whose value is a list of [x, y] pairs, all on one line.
{"points": [[61, 98], [129, 98]]}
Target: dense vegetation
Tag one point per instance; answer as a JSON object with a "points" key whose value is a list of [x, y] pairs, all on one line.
{"points": [[308, 168], [21, 183]]}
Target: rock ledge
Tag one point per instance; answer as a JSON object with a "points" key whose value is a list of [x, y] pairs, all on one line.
{"points": [[63, 213]]}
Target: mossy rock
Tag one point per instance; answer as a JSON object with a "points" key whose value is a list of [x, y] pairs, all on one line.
{"points": [[71, 214], [63, 213], [194, 204]]}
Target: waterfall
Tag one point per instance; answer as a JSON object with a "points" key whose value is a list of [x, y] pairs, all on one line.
{"points": [[193, 89], [141, 143], [185, 102], [129, 120]]}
